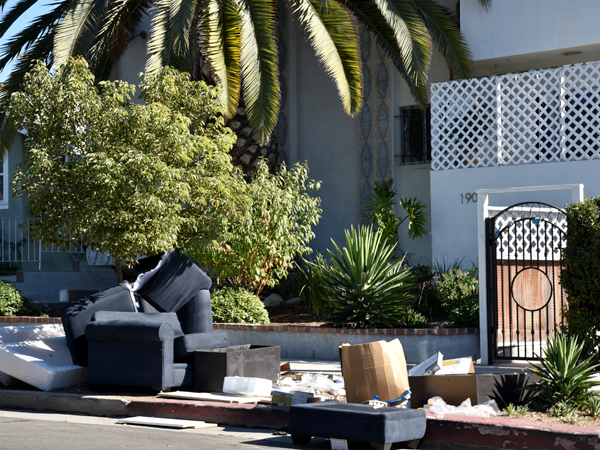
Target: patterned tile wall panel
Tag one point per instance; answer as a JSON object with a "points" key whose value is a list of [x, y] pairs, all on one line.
{"points": [[375, 121]]}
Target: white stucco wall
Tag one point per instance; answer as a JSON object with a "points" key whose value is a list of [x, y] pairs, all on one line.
{"points": [[454, 222], [322, 134], [531, 33], [413, 180]]}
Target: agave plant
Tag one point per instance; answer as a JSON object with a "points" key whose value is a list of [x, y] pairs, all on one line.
{"points": [[367, 289], [564, 380]]}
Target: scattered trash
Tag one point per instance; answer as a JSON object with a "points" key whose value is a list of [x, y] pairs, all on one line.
{"points": [[458, 366], [211, 397], [257, 387], [168, 423], [428, 367], [436, 405]]}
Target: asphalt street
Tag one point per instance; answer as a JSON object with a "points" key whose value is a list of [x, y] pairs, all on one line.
{"points": [[33, 430]]}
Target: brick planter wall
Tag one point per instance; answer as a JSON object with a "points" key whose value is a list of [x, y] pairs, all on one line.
{"points": [[322, 343]]}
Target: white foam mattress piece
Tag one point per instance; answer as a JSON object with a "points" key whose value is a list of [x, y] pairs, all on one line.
{"points": [[38, 355]]}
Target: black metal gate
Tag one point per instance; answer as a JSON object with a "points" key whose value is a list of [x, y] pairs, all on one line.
{"points": [[525, 299]]}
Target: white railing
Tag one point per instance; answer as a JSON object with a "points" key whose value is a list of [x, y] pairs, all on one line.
{"points": [[17, 246], [520, 118]]}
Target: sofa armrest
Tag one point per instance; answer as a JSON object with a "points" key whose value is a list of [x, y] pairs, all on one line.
{"points": [[131, 331]]}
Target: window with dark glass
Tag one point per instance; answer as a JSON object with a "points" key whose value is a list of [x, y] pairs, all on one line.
{"points": [[415, 138]]}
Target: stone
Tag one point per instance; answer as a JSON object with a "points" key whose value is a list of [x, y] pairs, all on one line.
{"points": [[246, 132], [293, 301], [234, 125], [273, 300], [252, 149], [246, 159], [241, 143]]}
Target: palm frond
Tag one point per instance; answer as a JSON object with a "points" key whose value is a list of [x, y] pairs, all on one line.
{"points": [[368, 14], [446, 36], [183, 13], [14, 14], [333, 34], [160, 44], [76, 33], [120, 22], [258, 63], [221, 28], [41, 50]]}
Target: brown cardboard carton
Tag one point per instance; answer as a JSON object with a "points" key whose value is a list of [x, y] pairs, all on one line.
{"points": [[376, 368], [458, 366]]}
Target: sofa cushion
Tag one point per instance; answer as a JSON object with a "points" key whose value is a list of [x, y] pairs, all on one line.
{"points": [[185, 346], [196, 315], [140, 318], [176, 281], [76, 315]]}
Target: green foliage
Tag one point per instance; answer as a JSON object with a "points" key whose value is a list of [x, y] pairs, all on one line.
{"points": [[426, 299], [458, 291], [414, 319], [580, 275], [565, 379], [367, 289], [255, 245], [379, 208], [309, 279], [236, 305], [13, 303], [113, 173], [591, 404], [516, 410]]}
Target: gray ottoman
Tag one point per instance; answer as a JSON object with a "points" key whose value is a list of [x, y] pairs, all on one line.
{"points": [[381, 427]]}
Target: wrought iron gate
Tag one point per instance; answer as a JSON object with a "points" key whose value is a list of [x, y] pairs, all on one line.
{"points": [[525, 299]]}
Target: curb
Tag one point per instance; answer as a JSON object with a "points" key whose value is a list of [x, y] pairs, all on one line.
{"points": [[454, 432], [444, 432]]}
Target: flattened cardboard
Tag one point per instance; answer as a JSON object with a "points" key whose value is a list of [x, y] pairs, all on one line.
{"points": [[375, 368], [458, 366]]}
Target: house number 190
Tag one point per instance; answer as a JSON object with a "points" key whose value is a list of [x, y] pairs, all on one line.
{"points": [[468, 197]]}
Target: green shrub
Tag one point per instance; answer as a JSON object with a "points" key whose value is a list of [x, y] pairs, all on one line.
{"points": [[379, 208], [13, 303], [459, 293], [236, 305], [255, 245], [367, 289], [580, 275], [414, 319], [426, 298], [309, 283], [564, 378]]}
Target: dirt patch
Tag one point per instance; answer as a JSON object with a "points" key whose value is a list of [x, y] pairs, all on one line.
{"points": [[294, 314]]}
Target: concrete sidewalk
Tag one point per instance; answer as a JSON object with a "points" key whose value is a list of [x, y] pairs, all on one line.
{"points": [[446, 432]]}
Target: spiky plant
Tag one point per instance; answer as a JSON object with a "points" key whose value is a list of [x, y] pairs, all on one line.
{"points": [[366, 287], [564, 379]]}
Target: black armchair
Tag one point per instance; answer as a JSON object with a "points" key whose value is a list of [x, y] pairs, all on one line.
{"points": [[152, 347]]}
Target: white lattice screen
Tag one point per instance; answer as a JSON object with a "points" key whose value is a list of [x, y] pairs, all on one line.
{"points": [[521, 118]]}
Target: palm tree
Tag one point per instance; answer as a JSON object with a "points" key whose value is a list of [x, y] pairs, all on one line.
{"points": [[233, 43]]}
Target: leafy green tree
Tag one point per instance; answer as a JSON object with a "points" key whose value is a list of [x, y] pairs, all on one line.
{"points": [[115, 174], [255, 245], [234, 44]]}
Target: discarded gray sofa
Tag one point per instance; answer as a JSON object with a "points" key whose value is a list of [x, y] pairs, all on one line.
{"points": [[145, 335]]}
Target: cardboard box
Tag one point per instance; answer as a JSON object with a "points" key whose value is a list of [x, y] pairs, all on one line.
{"points": [[480, 388], [291, 398], [428, 367], [458, 366], [376, 368], [255, 361]]}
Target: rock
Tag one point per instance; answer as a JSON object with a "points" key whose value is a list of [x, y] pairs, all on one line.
{"points": [[234, 125], [273, 300], [292, 301], [241, 143]]}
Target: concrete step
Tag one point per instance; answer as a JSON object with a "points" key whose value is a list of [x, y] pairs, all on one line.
{"points": [[45, 286]]}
